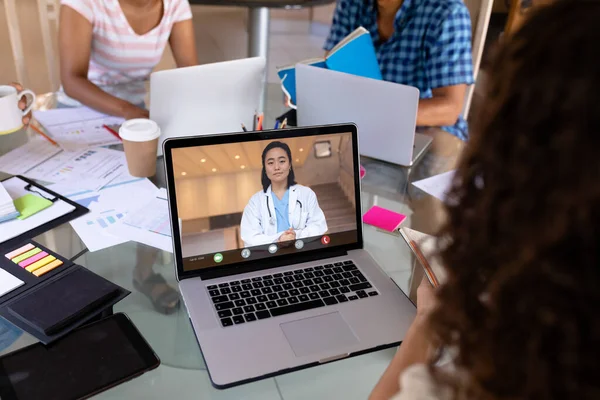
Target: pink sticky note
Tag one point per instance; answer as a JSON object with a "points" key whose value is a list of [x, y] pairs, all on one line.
{"points": [[383, 218], [31, 260], [19, 251], [363, 172]]}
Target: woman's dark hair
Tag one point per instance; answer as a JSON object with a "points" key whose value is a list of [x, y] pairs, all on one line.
{"points": [[522, 239], [263, 178]]}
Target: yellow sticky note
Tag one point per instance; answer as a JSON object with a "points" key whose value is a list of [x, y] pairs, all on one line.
{"points": [[39, 264]]}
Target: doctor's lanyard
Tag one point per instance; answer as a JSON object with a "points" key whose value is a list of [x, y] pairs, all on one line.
{"points": [[271, 219]]}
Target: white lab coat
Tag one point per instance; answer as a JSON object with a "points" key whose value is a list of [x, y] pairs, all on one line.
{"points": [[257, 228]]}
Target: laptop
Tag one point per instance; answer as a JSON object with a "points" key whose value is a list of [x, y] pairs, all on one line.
{"points": [[385, 112], [262, 304], [206, 99]]}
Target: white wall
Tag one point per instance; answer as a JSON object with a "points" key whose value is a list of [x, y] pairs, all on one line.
{"points": [[317, 171]]}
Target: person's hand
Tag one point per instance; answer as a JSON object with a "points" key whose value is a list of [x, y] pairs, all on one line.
{"points": [[426, 300], [22, 103], [287, 235], [131, 112]]}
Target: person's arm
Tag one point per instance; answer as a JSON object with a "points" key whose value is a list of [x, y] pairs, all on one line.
{"points": [[414, 349], [316, 224], [75, 46], [449, 69], [182, 39]]}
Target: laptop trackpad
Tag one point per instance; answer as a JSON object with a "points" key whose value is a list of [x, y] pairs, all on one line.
{"points": [[322, 333]]}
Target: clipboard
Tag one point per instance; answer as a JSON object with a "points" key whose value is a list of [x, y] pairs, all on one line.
{"points": [[34, 188]]}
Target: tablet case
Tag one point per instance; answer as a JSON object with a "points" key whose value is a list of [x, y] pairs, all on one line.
{"points": [[78, 212]]}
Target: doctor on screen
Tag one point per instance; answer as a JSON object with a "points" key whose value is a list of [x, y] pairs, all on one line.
{"points": [[283, 210]]}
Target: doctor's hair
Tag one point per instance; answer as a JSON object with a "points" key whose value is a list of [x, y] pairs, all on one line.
{"points": [[263, 178]]}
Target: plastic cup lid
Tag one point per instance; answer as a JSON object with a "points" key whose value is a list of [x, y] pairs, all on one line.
{"points": [[139, 130]]}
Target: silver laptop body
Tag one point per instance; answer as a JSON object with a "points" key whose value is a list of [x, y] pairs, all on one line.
{"points": [[338, 302]]}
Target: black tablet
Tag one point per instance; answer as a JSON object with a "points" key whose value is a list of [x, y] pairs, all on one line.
{"points": [[88, 361]]}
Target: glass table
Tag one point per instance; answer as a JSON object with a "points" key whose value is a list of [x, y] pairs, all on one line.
{"points": [[182, 371]]}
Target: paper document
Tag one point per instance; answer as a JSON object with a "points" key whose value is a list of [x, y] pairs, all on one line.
{"points": [[437, 185], [148, 223], [28, 156], [16, 188], [78, 128]]}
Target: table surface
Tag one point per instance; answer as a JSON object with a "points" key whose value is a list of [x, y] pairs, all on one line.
{"points": [[263, 3], [182, 370]]}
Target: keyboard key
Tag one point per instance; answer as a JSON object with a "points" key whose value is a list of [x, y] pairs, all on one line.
{"points": [[277, 288], [354, 280], [344, 289], [234, 296], [214, 292], [373, 293], [240, 303], [288, 286], [315, 288], [283, 294], [309, 275], [245, 295], [237, 311], [224, 306], [341, 298], [288, 273], [319, 273], [263, 314], [325, 286], [262, 298], [238, 319], [226, 322], [273, 296], [267, 290], [299, 271], [282, 302], [258, 285], [362, 294], [267, 277], [268, 282], [338, 270], [247, 286], [234, 283], [236, 289], [278, 281], [294, 292], [277, 275], [334, 292], [303, 297], [304, 290], [260, 306], [249, 309], [330, 301], [297, 307], [329, 271], [250, 317], [271, 304], [309, 269], [298, 277], [298, 285], [307, 282], [246, 280], [328, 278], [353, 298], [219, 299], [293, 300], [348, 262], [225, 313], [226, 284], [347, 275], [360, 286], [256, 292], [252, 300], [318, 268], [225, 290], [258, 278], [314, 296], [324, 293], [288, 279], [329, 266], [211, 287], [345, 282], [318, 281], [335, 284], [362, 278], [349, 267], [338, 277], [356, 273]]}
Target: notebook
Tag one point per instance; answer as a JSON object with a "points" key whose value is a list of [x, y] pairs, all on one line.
{"points": [[8, 210], [424, 248], [383, 218], [355, 54]]}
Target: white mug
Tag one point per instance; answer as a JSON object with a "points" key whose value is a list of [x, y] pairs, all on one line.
{"points": [[11, 116]]}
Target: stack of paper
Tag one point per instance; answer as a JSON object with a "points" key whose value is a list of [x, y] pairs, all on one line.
{"points": [[7, 207]]}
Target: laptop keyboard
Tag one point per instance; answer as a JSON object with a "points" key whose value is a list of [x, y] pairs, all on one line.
{"points": [[267, 296]]}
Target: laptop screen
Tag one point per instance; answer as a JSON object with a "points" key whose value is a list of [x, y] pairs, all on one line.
{"points": [[256, 199]]}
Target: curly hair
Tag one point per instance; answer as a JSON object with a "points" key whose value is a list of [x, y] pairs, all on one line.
{"points": [[522, 238]]}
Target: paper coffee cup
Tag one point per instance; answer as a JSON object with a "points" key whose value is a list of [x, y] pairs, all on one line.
{"points": [[140, 141]]}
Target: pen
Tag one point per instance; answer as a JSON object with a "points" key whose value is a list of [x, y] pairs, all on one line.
{"points": [[259, 126], [424, 263], [276, 124], [254, 122], [283, 124], [244, 128], [111, 131], [36, 129]]}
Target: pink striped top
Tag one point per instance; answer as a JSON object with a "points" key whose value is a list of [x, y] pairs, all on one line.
{"points": [[121, 60]]}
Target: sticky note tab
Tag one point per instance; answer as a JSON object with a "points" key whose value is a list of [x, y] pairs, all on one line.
{"points": [[30, 204], [33, 259], [39, 264], [48, 268], [26, 255], [19, 251]]}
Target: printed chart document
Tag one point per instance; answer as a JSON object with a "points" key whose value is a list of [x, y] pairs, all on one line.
{"points": [[78, 128], [22, 159], [437, 185], [148, 224]]}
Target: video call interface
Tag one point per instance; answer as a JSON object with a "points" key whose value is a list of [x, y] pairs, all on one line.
{"points": [[248, 201]]}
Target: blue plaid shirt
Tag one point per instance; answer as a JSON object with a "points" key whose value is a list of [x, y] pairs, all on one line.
{"points": [[430, 47]]}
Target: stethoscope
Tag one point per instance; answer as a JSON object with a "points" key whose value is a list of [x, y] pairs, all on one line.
{"points": [[272, 220]]}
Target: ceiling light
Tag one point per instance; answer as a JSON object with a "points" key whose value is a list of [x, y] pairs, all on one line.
{"points": [[203, 160], [214, 170], [237, 157], [242, 166], [184, 173], [297, 160], [301, 149]]}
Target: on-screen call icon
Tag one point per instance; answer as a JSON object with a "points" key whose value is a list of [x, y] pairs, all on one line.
{"points": [[218, 257], [299, 244], [246, 253], [273, 248], [325, 240]]}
